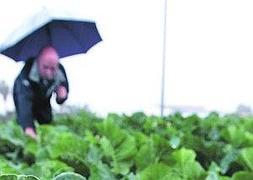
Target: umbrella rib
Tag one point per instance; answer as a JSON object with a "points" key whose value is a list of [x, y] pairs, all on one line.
{"points": [[49, 34], [21, 49], [73, 35]]}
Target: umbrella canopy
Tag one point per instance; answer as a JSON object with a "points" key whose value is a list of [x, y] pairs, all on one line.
{"points": [[67, 36]]}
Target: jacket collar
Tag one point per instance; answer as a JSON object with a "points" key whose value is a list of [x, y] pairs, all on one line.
{"points": [[35, 76], [34, 73]]}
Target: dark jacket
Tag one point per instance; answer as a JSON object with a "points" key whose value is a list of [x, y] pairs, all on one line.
{"points": [[32, 94]]}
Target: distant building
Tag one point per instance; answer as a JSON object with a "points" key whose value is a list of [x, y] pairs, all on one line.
{"points": [[187, 110], [244, 110]]}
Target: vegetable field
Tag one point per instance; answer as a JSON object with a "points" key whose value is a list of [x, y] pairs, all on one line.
{"points": [[136, 147]]}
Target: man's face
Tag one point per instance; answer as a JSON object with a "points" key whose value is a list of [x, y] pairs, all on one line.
{"points": [[48, 63]]}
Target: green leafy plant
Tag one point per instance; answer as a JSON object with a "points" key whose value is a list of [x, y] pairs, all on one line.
{"points": [[130, 147]]}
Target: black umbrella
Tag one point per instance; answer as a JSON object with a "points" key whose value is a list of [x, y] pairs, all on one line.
{"points": [[67, 36]]}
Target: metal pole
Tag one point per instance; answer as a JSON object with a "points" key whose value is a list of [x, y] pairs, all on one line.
{"points": [[164, 58]]}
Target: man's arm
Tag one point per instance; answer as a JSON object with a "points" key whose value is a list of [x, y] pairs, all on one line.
{"points": [[63, 89]]}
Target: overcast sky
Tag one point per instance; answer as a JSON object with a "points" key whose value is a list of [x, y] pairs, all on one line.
{"points": [[209, 53]]}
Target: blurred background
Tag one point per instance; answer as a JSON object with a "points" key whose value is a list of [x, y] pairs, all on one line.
{"points": [[208, 55]]}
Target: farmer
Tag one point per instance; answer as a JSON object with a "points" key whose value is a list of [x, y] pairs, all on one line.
{"points": [[34, 86]]}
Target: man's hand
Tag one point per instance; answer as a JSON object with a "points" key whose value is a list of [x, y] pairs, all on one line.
{"points": [[61, 92], [30, 132]]}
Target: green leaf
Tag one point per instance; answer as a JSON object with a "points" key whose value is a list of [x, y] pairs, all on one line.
{"points": [[140, 138], [101, 171], [127, 149], [94, 155], [7, 167], [118, 146], [249, 138], [67, 143], [157, 172], [243, 175], [121, 156], [212, 176], [79, 165], [161, 146], [174, 142], [145, 156], [111, 131], [27, 177], [17, 177], [13, 134], [214, 173], [47, 169], [229, 158], [131, 176], [107, 147], [184, 165], [247, 157], [235, 135], [69, 176]]}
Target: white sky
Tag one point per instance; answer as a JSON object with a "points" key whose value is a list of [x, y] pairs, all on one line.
{"points": [[209, 53]]}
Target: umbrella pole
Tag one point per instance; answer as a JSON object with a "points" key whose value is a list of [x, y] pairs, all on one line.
{"points": [[163, 60]]}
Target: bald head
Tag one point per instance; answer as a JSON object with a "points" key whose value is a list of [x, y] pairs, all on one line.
{"points": [[48, 61]]}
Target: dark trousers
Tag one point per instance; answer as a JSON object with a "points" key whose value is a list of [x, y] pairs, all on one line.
{"points": [[42, 113], [39, 110]]}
